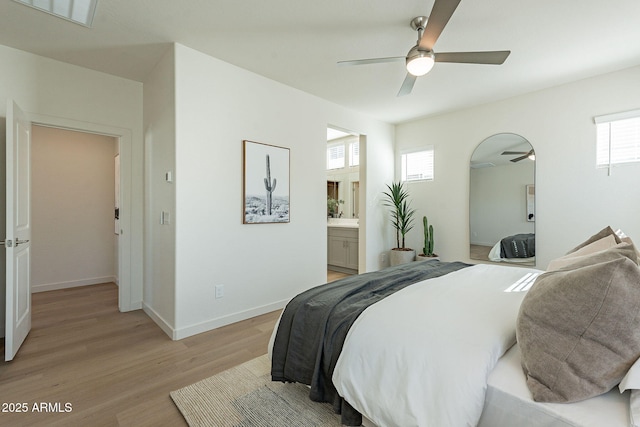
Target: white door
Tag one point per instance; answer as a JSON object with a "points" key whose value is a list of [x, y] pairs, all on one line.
{"points": [[18, 235]]}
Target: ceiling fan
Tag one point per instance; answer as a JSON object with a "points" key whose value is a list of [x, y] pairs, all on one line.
{"points": [[421, 57], [523, 155]]}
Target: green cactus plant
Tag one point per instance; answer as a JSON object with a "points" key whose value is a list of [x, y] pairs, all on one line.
{"points": [[269, 186], [427, 250]]}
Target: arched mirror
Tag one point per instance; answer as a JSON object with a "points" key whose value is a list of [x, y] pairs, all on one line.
{"points": [[502, 200]]}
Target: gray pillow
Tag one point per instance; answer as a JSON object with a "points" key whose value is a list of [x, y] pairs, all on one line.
{"points": [[578, 326]]}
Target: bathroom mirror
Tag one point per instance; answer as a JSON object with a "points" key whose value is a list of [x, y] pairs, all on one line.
{"points": [[343, 174], [502, 200]]}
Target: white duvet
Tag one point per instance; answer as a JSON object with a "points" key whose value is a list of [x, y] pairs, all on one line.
{"points": [[421, 357]]}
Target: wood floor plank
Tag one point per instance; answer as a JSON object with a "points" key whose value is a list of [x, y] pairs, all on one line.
{"points": [[115, 369]]}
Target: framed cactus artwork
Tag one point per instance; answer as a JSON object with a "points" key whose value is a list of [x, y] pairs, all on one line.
{"points": [[265, 183]]}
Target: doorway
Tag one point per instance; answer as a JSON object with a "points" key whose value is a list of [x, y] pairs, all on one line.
{"points": [[129, 294], [344, 204], [73, 189]]}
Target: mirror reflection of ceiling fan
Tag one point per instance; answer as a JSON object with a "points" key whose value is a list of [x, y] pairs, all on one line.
{"points": [[531, 155], [421, 58]]}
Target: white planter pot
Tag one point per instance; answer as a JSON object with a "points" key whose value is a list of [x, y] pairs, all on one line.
{"points": [[427, 258], [397, 257]]}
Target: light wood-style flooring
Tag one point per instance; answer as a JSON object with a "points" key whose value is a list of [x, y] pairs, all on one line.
{"points": [[479, 252], [335, 275], [115, 369]]}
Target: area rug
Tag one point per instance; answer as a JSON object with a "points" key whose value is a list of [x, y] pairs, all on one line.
{"points": [[245, 396]]}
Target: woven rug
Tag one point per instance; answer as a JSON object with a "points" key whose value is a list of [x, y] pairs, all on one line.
{"points": [[245, 396]]}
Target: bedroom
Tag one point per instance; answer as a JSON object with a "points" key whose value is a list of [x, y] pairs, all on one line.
{"points": [[237, 104]]}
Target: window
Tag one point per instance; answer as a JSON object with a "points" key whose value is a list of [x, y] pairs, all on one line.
{"points": [[78, 11], [618, 138], [417, 165], [354, 154], [335, 156]]}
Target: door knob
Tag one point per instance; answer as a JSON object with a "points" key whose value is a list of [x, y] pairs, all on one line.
{"points": [[9, 243]]}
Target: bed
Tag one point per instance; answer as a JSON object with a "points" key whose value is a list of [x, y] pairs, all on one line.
{"points": [[518, 248], [440, 348]]}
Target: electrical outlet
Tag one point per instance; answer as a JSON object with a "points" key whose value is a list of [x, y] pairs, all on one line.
{"points": [[219, 291], [383, 258]]}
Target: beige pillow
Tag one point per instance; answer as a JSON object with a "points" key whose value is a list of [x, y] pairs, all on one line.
{"points": [[577, 327], [572, 257], [607, 231]]}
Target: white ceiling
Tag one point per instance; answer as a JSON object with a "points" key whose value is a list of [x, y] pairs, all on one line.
{"points": [[298, 42]]}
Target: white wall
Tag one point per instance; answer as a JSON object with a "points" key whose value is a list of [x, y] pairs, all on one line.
{"points": [[573, 198], [57, 92], [160, 156], [217, 106], [498, 202], [73, 194]]}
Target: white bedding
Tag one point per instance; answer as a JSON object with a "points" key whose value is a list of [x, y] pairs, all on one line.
{"points": [[508, 403], [427, 363]]}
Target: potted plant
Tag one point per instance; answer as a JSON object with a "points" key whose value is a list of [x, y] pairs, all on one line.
{"points": [[427, 250], [332, 207], [397, 198]]}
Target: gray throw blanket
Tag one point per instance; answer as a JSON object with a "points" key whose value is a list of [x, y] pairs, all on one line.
{"points": [[315, 323], [518, 246]]}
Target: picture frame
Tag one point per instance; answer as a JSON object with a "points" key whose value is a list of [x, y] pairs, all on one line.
{"points": [[265, 190], [531, 200]]}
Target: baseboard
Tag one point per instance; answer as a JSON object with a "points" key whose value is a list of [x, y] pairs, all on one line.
{"points": [[159, 320], [72, 284], [226, 320]]}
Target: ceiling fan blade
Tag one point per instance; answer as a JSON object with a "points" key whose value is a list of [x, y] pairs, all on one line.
{"points": [[510, 153], [372, 61], [517, 159], [496, 57], [407, 85], [440, 15]]}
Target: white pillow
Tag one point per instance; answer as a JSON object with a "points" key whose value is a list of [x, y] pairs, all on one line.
{"points": [[631, 381], [634, 408], [627, 239]]}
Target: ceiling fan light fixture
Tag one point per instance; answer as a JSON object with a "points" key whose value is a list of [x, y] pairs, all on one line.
{"points": [[419, 61]]}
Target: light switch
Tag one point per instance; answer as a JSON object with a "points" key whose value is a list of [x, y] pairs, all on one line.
{"points": [[165, 218], [168, 176]]}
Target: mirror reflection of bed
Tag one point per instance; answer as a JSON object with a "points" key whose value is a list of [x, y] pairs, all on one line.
{"points": [[502, 201]]}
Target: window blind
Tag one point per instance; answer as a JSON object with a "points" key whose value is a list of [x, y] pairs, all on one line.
{"points": [[417, 165], [354, 156], [618, 138], [335, 156]]}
